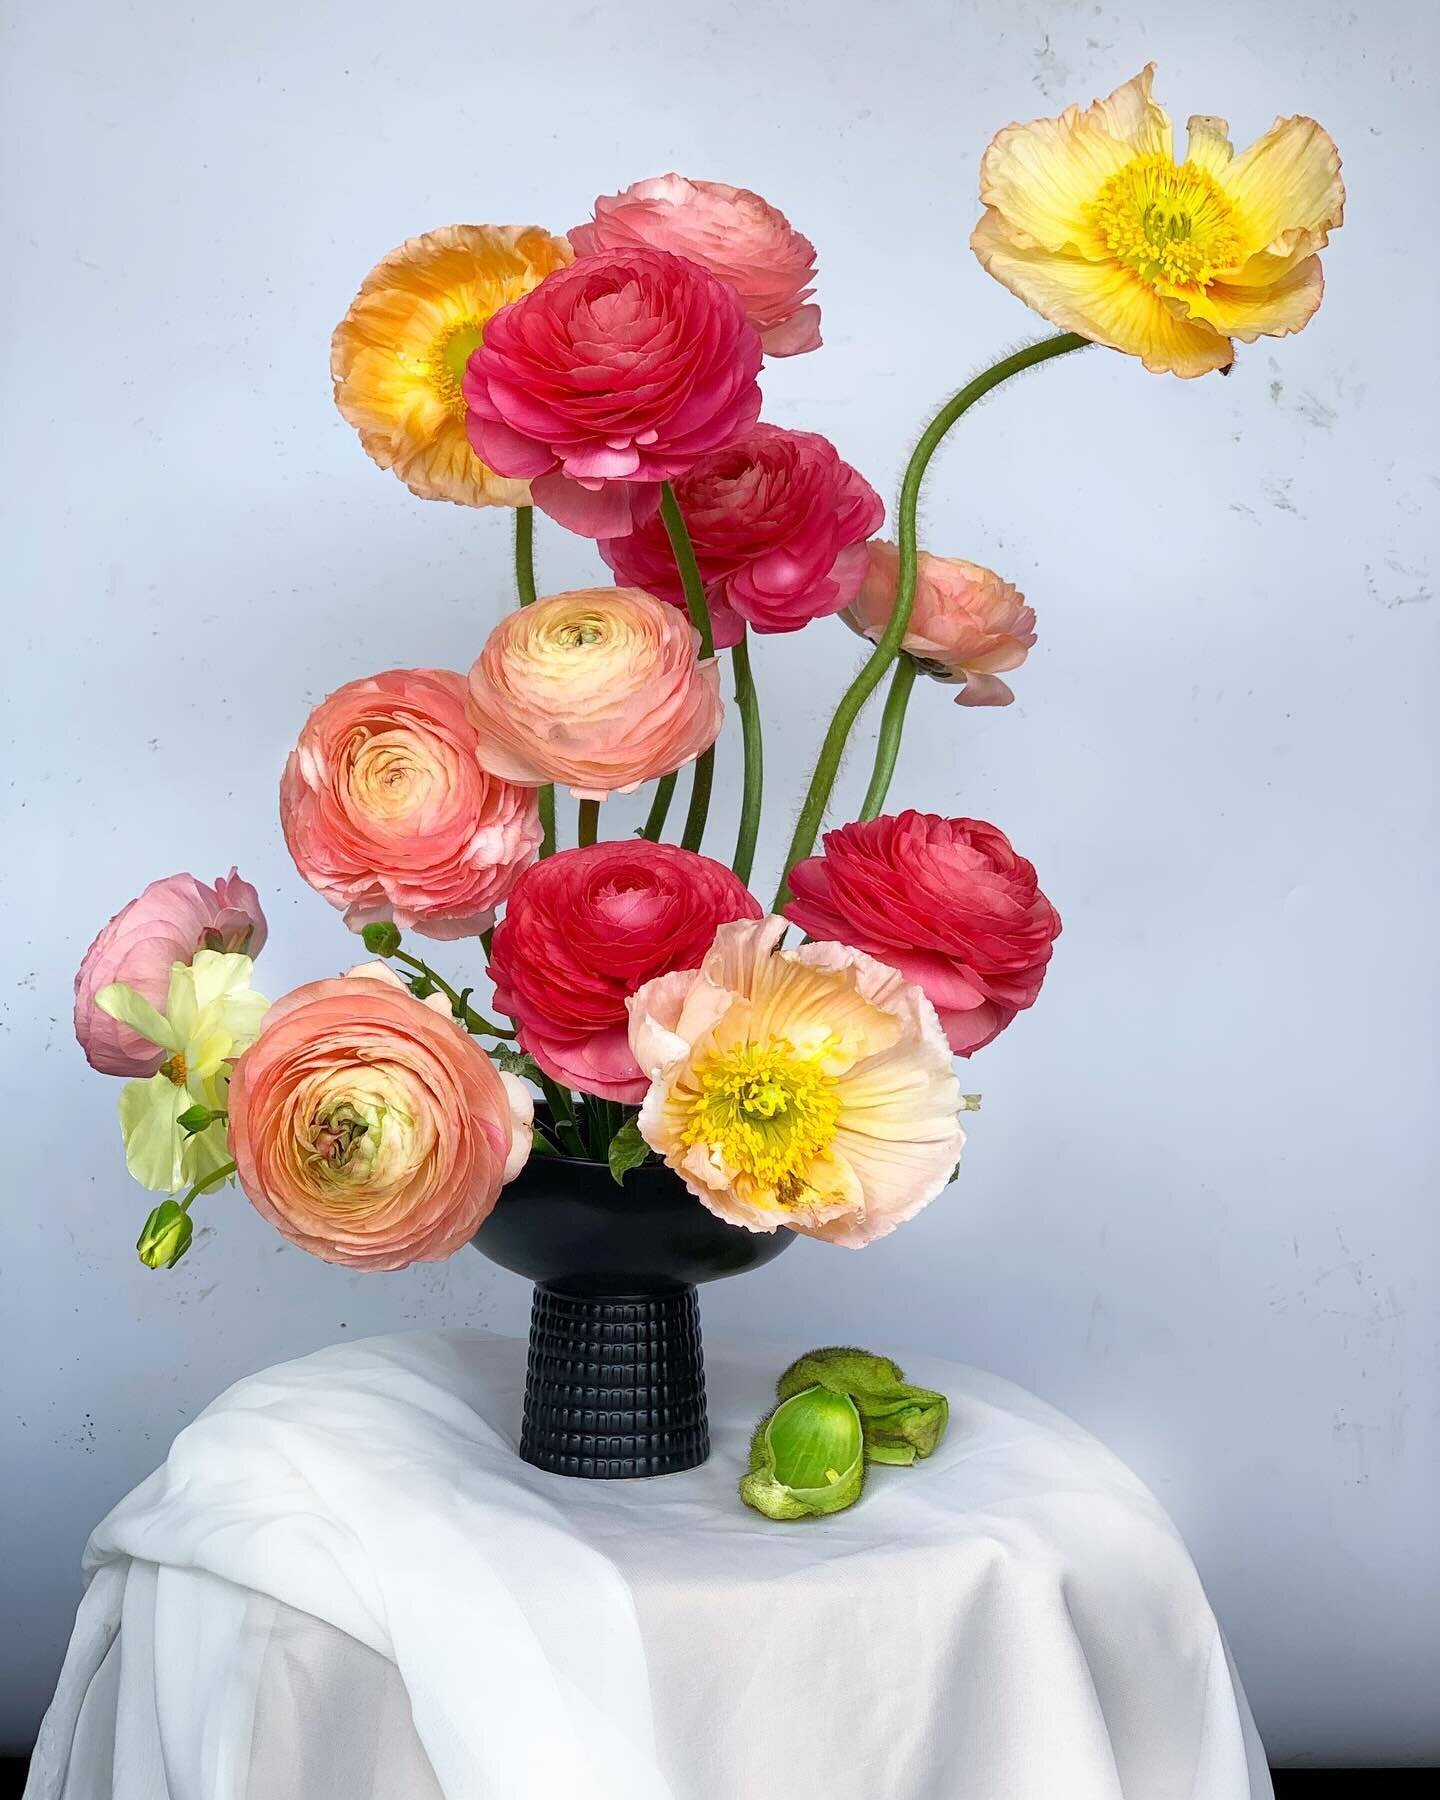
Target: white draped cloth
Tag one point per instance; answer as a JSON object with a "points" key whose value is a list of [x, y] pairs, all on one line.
{"points": [[343, 1584]]}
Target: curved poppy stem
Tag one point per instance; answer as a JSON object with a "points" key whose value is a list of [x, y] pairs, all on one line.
{"points": [[699, 610], [747, 704], [887, 747], [852, 701], [659, 807]]}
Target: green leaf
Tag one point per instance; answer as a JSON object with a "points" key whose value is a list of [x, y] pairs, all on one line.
{"points": [[627, 1150], [900, 1422], [516, 1062], [807, 1459]]}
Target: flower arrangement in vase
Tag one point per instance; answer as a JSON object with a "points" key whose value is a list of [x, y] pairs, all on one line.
{"points": [[671, 1091]]}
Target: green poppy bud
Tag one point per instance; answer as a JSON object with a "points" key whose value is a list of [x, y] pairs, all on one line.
{"points": [[381, 937], [900, 1422], [165, 1237], [807, 1458]]}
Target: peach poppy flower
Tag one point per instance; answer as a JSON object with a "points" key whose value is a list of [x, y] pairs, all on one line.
{"points": [[809, 1088], [399, 354], [1090, 220]]}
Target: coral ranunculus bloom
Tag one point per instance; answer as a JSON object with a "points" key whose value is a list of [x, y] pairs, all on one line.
{"points": [[600, 689], [613, 376], [368, 1128], [947, 902], [1091, 221], [583, 930], [389, 814], [733, 233], [809, 1088], [778, 524], [967, 625], [399, 354]]}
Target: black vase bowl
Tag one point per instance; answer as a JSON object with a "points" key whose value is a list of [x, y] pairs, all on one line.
{"points": [[615, 1380]]}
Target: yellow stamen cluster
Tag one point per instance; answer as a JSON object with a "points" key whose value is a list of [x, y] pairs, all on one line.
{"points": [[767, 1110], [174, 1069], [445, 364], [1167, 221]]}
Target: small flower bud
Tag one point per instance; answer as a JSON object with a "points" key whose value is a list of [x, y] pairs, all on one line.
{"points": [[197, 1118], [166, 1236], [807, 1459], [381, 937]]}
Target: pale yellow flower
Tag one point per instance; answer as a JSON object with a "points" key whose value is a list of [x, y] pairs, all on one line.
{"points": [[398, 356], [1092, 222], [809, 1088], [211, 1014]]}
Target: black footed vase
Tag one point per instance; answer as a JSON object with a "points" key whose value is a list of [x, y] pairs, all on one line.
{"points": [[615, 1383]]}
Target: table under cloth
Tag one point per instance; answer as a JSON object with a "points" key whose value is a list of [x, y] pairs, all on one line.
{"points": [[344, 1585]]}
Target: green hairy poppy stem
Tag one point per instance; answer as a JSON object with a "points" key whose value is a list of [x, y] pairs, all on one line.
{"points": [[699, 609], [747, 704], [892, 725], [525, 588], [659, 807], [852, 702]]}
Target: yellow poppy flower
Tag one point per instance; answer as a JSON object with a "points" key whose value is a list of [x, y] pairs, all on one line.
{"points": [[399, 354], [1091, 221]]}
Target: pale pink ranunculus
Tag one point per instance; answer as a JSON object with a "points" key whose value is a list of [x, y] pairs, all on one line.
{"points": [[166, 924], [730, 231], [967, 626], [599, 689], [778, 522], [389, 814], [368, 1128], [808, 1088], [608, 378]]}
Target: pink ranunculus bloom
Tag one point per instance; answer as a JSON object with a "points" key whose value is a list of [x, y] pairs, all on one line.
{"points": [[583, 930], [167, 924], [608, 378], [389, 814], [368, 1128], [967, 625], [733, 233], [947, 902], [600, 689], [778, 523]]}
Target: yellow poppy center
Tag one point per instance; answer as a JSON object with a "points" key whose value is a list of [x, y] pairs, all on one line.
{"points": [[767, 1109], [174, 1069], [446, 363], [1169, 222]]}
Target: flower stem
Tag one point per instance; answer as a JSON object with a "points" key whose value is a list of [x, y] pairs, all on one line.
{"points": [[525, 553], [525, 588], [699, 609], [860, 689], [213, 1179], [474, 1022], [748, 706], [659, 807], [887, 747], [589, 822], [562, 1113]]}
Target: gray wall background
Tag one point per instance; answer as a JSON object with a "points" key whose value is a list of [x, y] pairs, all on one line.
{"points": [[1195, 1210]]}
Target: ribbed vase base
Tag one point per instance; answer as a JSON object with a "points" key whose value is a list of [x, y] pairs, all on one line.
{"points": [[615, 1387]]}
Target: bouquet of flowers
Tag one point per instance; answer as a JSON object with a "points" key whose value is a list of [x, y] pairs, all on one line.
{"points": [[646, 1005]]}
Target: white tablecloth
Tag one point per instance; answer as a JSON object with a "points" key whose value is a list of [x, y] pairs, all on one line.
{"points": [[344, 1585]]}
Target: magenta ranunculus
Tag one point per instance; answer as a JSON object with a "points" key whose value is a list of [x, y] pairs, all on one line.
{"points": [[947, 902], [608, 378], [733, 233], [167, 924], [584, 930], [779, 525]]}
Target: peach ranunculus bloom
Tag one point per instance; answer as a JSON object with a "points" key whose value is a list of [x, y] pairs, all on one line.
{"points": [[389, 814], [600, 688], [399, 354], [1090, 220], [967, 625], [730, 231], [168, 923], [809, 1088], [368, 1128]]}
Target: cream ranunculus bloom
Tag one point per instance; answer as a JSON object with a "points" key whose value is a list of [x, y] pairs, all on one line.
{"points": [[810, 1088], [211, 1015], [1091, 221]]}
